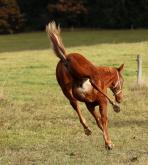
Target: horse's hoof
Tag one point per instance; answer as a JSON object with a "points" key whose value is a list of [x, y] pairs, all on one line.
{"points": [[109, 146], [116, 108], [87, 131]]}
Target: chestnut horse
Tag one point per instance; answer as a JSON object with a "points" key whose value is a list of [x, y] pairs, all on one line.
{"points": [[80, 80]]}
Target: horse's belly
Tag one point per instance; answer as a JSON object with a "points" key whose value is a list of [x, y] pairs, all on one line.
{"points": [[84, 91]]}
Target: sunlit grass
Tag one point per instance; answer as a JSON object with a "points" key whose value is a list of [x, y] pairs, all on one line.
{"points": [[37, 124]]}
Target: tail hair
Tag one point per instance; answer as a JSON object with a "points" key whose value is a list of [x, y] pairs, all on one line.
{"points": [[53, 33]]}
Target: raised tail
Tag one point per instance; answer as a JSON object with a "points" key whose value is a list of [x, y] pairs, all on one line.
{"points": [[53, 32]]}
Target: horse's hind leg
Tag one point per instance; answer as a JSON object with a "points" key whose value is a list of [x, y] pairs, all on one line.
{"points": [[81, 118], [96, 83]]}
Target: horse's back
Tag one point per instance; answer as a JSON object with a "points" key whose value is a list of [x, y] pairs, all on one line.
{"points": [[75, 60]]}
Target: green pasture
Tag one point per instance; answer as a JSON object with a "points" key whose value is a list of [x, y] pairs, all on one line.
{"points": [[37, 124]]}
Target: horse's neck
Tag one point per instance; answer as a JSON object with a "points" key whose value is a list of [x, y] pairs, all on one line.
{"points": [[107, 75]]}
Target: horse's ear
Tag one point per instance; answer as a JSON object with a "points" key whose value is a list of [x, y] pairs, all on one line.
{"points": [[120, 69]]}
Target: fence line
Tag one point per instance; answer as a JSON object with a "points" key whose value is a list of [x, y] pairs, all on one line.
{"points": [[139, 69]]}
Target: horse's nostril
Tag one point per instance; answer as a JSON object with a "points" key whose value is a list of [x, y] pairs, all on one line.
{"points": [[119, 100]]}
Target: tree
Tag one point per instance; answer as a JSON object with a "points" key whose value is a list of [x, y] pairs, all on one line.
{"points": [[69, 13], [36, 14], [11, 19]]}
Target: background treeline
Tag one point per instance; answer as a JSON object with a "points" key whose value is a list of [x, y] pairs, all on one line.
{"points": [[23, 15]]}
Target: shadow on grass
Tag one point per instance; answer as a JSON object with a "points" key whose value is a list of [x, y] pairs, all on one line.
{"points": [[129, 123], [39, 40]]}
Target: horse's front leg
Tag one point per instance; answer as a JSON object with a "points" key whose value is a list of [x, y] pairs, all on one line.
{"points": [[95, 114], [81, 118], [104, 120]]}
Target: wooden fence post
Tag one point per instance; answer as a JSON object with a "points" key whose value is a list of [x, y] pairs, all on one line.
{"points": [[139, 69]]}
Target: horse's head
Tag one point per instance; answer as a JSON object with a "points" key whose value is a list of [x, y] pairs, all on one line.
{"points": [[117, 84]]}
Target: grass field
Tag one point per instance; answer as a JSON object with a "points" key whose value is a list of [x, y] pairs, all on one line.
{"points": [[37, 124]]}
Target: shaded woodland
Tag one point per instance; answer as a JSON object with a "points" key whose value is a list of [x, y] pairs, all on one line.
{"points": [[32, 15]]}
